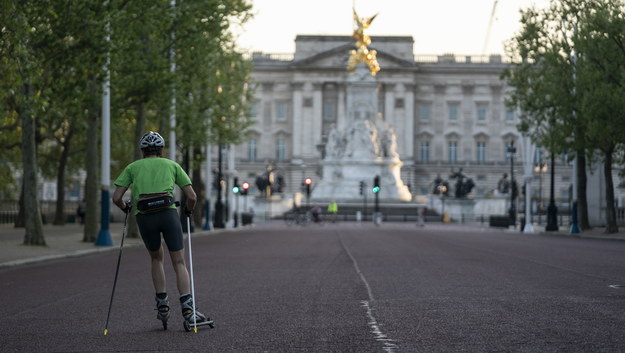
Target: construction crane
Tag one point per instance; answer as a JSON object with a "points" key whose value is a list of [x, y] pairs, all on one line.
{"points": [[490, 26]]}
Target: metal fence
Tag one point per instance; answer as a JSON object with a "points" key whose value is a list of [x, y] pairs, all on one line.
{"points": [[10, 210]]}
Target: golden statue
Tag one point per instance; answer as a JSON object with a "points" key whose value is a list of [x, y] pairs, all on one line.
{"points": [[362, 54]]}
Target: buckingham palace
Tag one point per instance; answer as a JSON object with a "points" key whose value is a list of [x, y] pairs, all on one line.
{"points": [[448, 113]]}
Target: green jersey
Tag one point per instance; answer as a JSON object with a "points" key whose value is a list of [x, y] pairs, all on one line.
{"points": [[152, 175]]}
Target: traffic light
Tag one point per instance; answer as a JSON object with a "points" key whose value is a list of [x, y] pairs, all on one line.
{"points": [[235, 186], [244, 188], [308, 184], [376, 184], [362, 187]]}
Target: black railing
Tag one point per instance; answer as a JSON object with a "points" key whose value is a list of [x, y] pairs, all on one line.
{"points": [[10, 210]]}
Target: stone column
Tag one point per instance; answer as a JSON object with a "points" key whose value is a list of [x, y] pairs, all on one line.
{"points": [[407, 145], [300, 139], [315, 130], [389, 106], [341, 118]]}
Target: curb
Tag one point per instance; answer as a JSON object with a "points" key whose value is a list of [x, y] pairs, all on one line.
{"points": [[96, 250]]}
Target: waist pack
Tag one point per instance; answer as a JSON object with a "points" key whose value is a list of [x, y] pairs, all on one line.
{"points": [[154, 202]]}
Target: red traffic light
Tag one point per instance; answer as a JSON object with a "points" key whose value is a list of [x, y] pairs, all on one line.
{"points": [[308, 181], [245, 185]]}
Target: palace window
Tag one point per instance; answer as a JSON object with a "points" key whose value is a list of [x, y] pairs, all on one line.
{"points": [[509, 115], [329, 111], [453, 112], [425, 111], [281, 111], [281, 149], [251, 150], [424, 151], [482, 109], [452, 150], [481, 151]]}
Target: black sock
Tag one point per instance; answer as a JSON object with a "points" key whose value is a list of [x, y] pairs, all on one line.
{"points": [[161, 295]]}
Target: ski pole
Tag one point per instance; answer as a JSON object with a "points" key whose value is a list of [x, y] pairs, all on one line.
{"points": [[119, 259], [191, 273]]}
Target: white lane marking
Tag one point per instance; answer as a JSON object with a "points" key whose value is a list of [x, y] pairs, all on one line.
{"points": [[388, 344]]}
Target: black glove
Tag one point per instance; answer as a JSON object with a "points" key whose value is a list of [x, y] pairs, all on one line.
{"points": [[188, 212], [128, 207]]}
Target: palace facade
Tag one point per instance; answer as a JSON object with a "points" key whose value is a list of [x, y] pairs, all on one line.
{"points": [[448, 113]]}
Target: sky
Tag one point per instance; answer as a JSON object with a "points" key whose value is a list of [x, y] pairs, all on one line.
{"points": [[437, 26]]}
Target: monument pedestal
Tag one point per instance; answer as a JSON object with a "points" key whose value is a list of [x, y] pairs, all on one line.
{"points": [[460, 209], [342, 177]]}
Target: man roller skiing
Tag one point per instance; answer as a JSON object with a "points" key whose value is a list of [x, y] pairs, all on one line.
{"points": [[152, 180]]}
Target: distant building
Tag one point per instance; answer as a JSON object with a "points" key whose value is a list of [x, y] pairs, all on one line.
{"points": [[448, 112]]}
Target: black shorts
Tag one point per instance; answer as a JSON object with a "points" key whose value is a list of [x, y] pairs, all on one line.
{"points": [[167, 222]]}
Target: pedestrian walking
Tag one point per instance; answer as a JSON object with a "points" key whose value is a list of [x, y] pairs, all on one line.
{"points": [[152, 180], [80, 211], [333, 209]]}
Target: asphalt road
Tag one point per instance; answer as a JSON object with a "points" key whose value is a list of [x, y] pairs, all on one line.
{"points": [[335, 288]]}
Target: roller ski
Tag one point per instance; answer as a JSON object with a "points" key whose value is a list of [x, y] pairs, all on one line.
{"points": [[162, 309], [193, 318]]}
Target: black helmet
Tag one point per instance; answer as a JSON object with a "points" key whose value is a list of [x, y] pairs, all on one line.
{"points": [[151, 140]]}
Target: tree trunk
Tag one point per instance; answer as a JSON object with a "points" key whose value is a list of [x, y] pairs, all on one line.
{"points": [[19, 221], [90, 231], [611, 226], [582, 197], [59, 214], [132, 231], [183, 197], [32, 215], [199, 188]]}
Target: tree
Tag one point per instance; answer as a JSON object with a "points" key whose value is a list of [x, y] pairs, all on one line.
{"points": [[23, 32], [51, 59], [212, 99], [140, 74], [601, 78], [561, 67]]}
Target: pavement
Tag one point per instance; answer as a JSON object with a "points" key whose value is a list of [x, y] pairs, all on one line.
{"points": [[67, 240], [61, 242]]}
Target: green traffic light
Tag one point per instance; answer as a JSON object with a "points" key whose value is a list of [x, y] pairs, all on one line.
{"points": [[235, 189], [376, 189]]}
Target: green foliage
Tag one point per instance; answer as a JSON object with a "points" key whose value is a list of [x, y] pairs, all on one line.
{"points": [[568, 74], [569, 82], [58, 48]]}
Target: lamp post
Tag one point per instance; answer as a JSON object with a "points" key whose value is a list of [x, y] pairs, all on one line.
{"points": [[552, 209], [512, 211], [540, 168], [219, 207], [442, 189]]}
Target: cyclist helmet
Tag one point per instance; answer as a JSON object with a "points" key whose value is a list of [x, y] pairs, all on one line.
{"points": [[151, 141]]}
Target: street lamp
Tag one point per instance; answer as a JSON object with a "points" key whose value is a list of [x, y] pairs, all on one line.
{"points": [[540, 168], [219, 207], [442, 190], [512, 211], [552, 209]]}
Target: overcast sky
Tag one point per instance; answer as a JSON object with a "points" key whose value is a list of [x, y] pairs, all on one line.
{"points": [[437, 26]]}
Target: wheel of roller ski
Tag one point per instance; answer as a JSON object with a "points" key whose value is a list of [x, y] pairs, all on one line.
{"points": [[188, 326]]}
